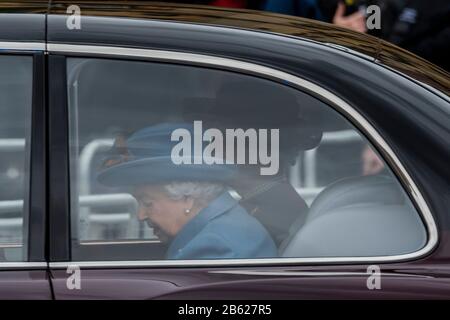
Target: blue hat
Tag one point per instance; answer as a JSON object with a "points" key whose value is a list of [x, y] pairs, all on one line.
{"points": [[146, 159]]}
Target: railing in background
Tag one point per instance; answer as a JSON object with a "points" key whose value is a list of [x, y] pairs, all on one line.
{"points": [[90, 219]]}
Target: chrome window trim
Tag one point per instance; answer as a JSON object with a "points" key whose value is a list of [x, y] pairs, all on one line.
{"points": [[23, 265], [267, 72], [117, 242], [22, 46], [10, 245], [289, 273]]}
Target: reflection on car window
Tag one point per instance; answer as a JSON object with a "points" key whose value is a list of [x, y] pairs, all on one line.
{"points": [[15, 121], [188, 163]]}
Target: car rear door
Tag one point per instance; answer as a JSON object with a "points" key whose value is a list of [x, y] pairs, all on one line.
{"points": [[344, 237], [113, 255], [23, 266]]}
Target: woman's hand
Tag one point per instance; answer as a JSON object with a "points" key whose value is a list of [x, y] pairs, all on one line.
{"points": [[356, 21]]}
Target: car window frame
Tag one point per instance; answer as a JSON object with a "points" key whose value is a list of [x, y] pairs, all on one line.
{"points": [[254, 69], [34, 223]]}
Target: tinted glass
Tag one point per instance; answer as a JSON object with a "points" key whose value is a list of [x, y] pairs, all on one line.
{"points": [[15, 121], [185, 163]]}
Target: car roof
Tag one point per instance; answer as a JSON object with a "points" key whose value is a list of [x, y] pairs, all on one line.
{"points": [[372, 48]]}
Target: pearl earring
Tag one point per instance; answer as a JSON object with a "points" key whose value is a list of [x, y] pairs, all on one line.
{"points": [[187, 211]]}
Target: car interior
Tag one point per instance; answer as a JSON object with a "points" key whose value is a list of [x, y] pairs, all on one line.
{"points": [[326, 208], [15, 119], [347, 213]]}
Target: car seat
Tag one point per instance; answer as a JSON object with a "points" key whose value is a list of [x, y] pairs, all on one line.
{"points": [[363, 216]]}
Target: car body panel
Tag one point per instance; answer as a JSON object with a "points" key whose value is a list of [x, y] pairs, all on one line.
{"points": [[355, 42], [332, 282], [24, 285], [21, 28], [29, 280], [332, 69], [24, 21]]}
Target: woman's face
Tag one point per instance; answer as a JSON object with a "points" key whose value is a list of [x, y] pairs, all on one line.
{"points": [[159, 210]]}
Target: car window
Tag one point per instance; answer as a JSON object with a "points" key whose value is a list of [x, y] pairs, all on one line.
{"points": [[183, 162], [15, 121]]}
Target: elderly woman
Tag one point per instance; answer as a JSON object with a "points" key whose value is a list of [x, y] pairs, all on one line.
{"points": [[188, 202]]}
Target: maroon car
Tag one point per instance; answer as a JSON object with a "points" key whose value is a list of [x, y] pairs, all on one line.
{"points": [[335, 183]]}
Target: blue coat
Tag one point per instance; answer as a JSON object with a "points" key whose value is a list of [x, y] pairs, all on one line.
{"points": [[223, 230]]}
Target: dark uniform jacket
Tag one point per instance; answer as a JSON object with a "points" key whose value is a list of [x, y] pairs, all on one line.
{"points": [[423, 27]]}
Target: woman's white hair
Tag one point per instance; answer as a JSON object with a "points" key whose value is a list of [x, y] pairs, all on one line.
{"points": [[201, 192]]}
